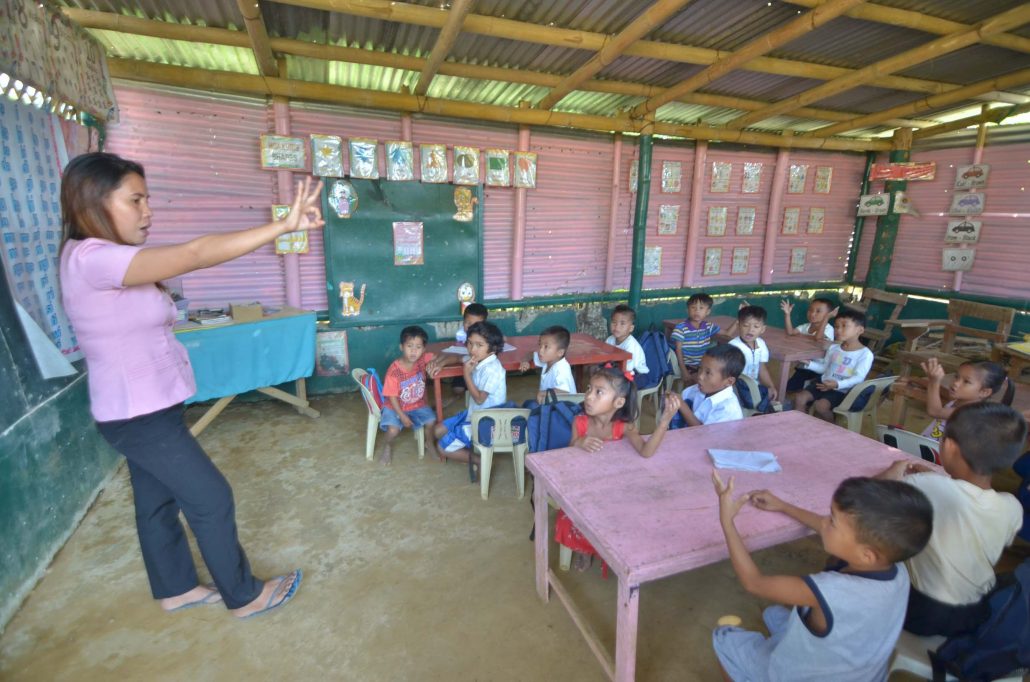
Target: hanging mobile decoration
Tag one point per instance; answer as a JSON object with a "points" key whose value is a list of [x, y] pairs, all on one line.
{"points": [[466, 166], [343, 198], [498, 170], [326, 156], [363, 162], [434, 163], [400, 160], [525, 169]]}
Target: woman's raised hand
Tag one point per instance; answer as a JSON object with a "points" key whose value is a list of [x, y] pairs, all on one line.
{"points": [[306, 210]]}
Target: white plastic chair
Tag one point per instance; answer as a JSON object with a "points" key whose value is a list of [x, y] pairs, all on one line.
{"points": [[502, 440], [375, 415], [756, 397], [676, 378], [910, 656], [912, 443], [854, 419], [656, 395]]}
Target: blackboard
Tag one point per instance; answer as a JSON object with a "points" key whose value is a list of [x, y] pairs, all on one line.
{"points": [[360, 250]]}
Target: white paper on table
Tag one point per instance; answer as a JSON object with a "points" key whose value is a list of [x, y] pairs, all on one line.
{"points": [[745, 460], [462, 350]]}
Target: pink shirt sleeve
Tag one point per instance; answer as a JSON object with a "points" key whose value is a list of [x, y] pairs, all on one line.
{"points": [[103, 264]]}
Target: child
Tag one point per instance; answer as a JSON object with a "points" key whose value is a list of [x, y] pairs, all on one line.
{"points": [[974, 382], [847, 364], [474, 312], [751, 323], [623, 321], [972, 522], [712, 400], [692, 336], [550, 355], [609, 413], [848, 617], [820, 310], [485, 379], [405, 389]]}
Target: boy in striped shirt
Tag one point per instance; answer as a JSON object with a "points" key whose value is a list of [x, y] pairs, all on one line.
{"points": [[693, 336]]}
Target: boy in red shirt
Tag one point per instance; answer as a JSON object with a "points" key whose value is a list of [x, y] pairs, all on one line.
{"points": [[405, 389]]}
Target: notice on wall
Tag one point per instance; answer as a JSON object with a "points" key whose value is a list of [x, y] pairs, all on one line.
{"points": [[791, 220], [823, 179], [957, 260], [970, 177], [796, 178], [741, 257], [872, 204], [967, 203], [400, 160], [672, 176], [797, 259], [283, 153], [291, 242], [721, 172], [668, 217], [652, 261], [407, 243], [713, 260], [331, 354], [745, 220], [816, 220], [752, 178], [963, 231], [716, 221]]}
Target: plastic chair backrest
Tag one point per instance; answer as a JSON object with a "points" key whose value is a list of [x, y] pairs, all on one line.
{"points": [[502, 417], [572, 397], [357, 374], [880, 385], [912, 443], [674, 364], [752, 388]]}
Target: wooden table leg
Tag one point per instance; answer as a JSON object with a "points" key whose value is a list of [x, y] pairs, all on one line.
{"points": [[784, 378], [210, 415], [626, 631], [541, 538], [438, 392]]}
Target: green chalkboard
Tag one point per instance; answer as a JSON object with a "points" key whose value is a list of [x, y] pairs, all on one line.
{"points": [[361, 250]]}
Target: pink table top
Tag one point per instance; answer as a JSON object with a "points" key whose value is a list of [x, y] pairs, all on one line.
{"points": [[781, 346], [652, 518]]}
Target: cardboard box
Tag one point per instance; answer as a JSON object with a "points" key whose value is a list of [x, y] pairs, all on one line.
{"points": [[246, 312]]}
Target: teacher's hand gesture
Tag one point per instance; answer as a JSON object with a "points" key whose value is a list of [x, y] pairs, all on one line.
{"points": [[306, 210]]}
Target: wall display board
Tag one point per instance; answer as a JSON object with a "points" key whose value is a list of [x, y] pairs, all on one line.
{"points": [[964, 231], [364, 284]]}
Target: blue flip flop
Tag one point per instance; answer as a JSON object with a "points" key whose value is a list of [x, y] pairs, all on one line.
{"points": [[214, 598], [289, 595]]}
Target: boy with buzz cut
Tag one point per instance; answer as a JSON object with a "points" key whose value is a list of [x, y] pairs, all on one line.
{"points": [[847, 364], [624, 320], [751, 326], [840, 624], [550, 356], [712, 400], [405, 389], [972, 522], [693, 336], [818, 326]]}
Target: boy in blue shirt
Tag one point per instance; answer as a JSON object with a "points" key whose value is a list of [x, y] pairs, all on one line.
{"points": [[693, 336]]}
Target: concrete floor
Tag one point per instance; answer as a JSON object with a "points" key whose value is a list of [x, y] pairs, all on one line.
{"points": [[408, 575]]}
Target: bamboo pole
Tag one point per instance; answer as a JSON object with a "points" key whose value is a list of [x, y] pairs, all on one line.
{"points": [[495, 27], [444, 43], [921, 22], [759, 46], [653, 16], [996, 115], [950, 43], [258, 34], [224, 81], [1011, 80]]}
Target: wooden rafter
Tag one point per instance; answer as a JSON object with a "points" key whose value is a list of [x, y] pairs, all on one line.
{"points": [[996, 115], [219, 36], [950, 43], [653, 16], [1012, 80], [227, 81], [921, 22], [755, 48], [444, 43], [255, 23], [403, 12]]}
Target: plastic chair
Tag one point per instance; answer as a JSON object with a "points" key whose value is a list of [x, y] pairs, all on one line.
{"points": [[655, 392], [854, 417], [375, 415], [909, 442], [676, 376], [756, 397], [910, 656], [501, 440]]}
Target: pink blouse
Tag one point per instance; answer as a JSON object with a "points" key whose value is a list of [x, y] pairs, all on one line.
{"points": [[136, 365]]}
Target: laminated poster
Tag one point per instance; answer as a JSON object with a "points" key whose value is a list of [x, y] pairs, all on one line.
{"points": [[291, 242], [343, 198], [752, 178], [796, 179], [797, 259], [331, 357], [363, 162], [741, 258], [464, 202], [466, 166], [400, 161], [791, 220], [525, 169], [713, 260], [967, 203], [326, 156], [957, 260], [498, 169], [434, 163], [816, 219], [407, 243], [969, 177], [745, 220], [716, 221], [283, 153], [652, 261], [823, 179], [872, 204], [721, 176], [965, 231], [668, 217], [672, 176]]}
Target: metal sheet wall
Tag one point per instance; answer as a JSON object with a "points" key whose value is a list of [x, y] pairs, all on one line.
{"points": [[673, 246], [202, 162]]}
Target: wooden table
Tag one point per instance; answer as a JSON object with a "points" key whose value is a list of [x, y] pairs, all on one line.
{"points": [[583, 350], [1017, 360], [653, 518], [782, 347]]}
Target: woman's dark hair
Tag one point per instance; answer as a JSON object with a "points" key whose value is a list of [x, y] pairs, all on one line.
{"points": [[994, 377], [624, 387], [489, 331], [85, 184]]}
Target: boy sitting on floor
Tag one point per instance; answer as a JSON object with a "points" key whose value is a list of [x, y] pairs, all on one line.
{"points": [[847, 364], [550, 356], [751, 326], [972, 522], [842, 623], [712, 400]]}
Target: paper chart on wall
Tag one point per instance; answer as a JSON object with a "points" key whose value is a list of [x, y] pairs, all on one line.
{"points": [[797, 259], [713, 260], [816, 219], [652, 261], [498, 168], [823, 179], [716, 221], [434, 163], [791, 219], [741, 258], [525, 169], [745, 220], [363, 161], [721, 172], [668, 218], [326, 156], [796, 179], [752, 178], [400, 160], [672, 176], [466, 165]]}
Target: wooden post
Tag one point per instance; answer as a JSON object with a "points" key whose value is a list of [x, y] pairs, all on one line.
{"points": [[775, 217], [887, 225], [694, 219], [613, 212], [978, 157], [636, 280], [856, 239], [518, 239]]}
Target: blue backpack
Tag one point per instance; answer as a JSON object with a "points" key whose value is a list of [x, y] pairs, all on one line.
{"points": [[1000, 645], [550, 424], [656, 355]]}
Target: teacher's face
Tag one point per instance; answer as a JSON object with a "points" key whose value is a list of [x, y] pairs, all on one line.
{"points": [[128, 207]]}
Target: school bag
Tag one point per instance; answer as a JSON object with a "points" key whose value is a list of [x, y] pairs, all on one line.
{"points": [[550, 424], [1000, 645], [656, 355], [374, 385]]}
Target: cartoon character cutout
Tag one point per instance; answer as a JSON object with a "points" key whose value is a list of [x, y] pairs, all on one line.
{"points": [[343, 198], [351, 305], [464, 201], [466, 295]]}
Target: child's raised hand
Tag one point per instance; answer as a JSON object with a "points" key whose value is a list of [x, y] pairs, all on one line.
{"points": [[766, 501], [787, 307], [524, 366], [672, 406], [933, 370], [591, 444], [728, 507]]}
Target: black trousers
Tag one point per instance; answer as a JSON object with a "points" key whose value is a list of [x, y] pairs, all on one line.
{"points": [[926, 616], [171, 472]]}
